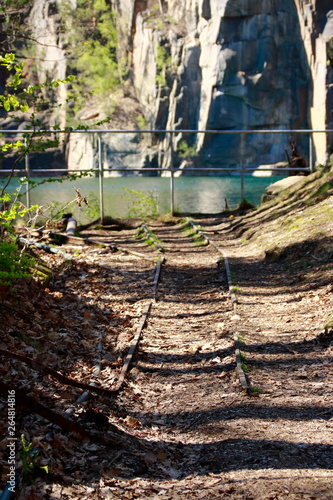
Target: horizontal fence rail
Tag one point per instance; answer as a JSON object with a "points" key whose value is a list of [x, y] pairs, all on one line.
{"points": [[242, 169]]}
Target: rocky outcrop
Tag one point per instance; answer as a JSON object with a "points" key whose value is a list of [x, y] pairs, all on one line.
{"points": [[316, 24], [50, 49], [217, 65], [273, 190], [241, 65]]}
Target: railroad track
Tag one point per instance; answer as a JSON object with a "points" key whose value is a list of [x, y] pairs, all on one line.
{"points": [[156, 337], [196, 268], [215, 273], [154, 283]]}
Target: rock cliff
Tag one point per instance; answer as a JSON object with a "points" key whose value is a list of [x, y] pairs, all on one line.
{"points": [[217, 65], [316, 26], [233, 64]]}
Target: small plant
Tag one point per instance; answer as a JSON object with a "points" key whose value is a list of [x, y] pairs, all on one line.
{"points": [[188, 231], [185, 151], [142, 122], [244, 366], [163, 64], [233, 279], [246, 205], [56, 211], [29, 458], [199, 240], [191, 232], [14, 262], [168, 219], [254, 390], [143, 232], [241, 339], [92, 209], [142, 204]]}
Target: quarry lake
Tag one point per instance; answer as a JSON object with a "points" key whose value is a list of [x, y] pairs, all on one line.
{"points": [[133, 196]]}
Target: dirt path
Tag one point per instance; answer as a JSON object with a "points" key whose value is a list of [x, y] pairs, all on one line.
{"points": [[190, 429], [207, 438]]}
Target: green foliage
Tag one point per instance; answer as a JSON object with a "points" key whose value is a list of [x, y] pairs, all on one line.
{"points": [[186, 151], [254, 390], [141, 204], [192, 232], [12, 209], [18, 99], [14, 263], [199, 240], [142, 122], [94, 39], [146, 234], [244, 367], [163, 64], [188, 230], [245, 205], [29, 458], [92, 209], [97, 67]]}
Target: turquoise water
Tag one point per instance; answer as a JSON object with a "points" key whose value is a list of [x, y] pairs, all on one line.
{"points": [[129, 196]]}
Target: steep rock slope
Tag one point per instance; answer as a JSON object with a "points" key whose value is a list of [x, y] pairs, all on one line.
{"points": [[207, 64]]}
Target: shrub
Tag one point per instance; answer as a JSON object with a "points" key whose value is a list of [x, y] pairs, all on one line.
{"points": [[14, 262]]}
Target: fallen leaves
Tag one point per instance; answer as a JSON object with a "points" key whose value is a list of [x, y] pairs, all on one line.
{"points": [[131, 422]]}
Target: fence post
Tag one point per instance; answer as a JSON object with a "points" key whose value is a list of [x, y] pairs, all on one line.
{"points": [[172, 180], [100, 175], [27, 173], [242, 169], [310, 153]]}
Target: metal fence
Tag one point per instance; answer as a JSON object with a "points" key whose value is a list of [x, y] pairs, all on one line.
{"points": [[242, 170]]}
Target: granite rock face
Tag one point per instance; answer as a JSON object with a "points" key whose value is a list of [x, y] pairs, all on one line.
{"points": [[231, 64], [44, 20], [316, 23], [218, 65]]}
